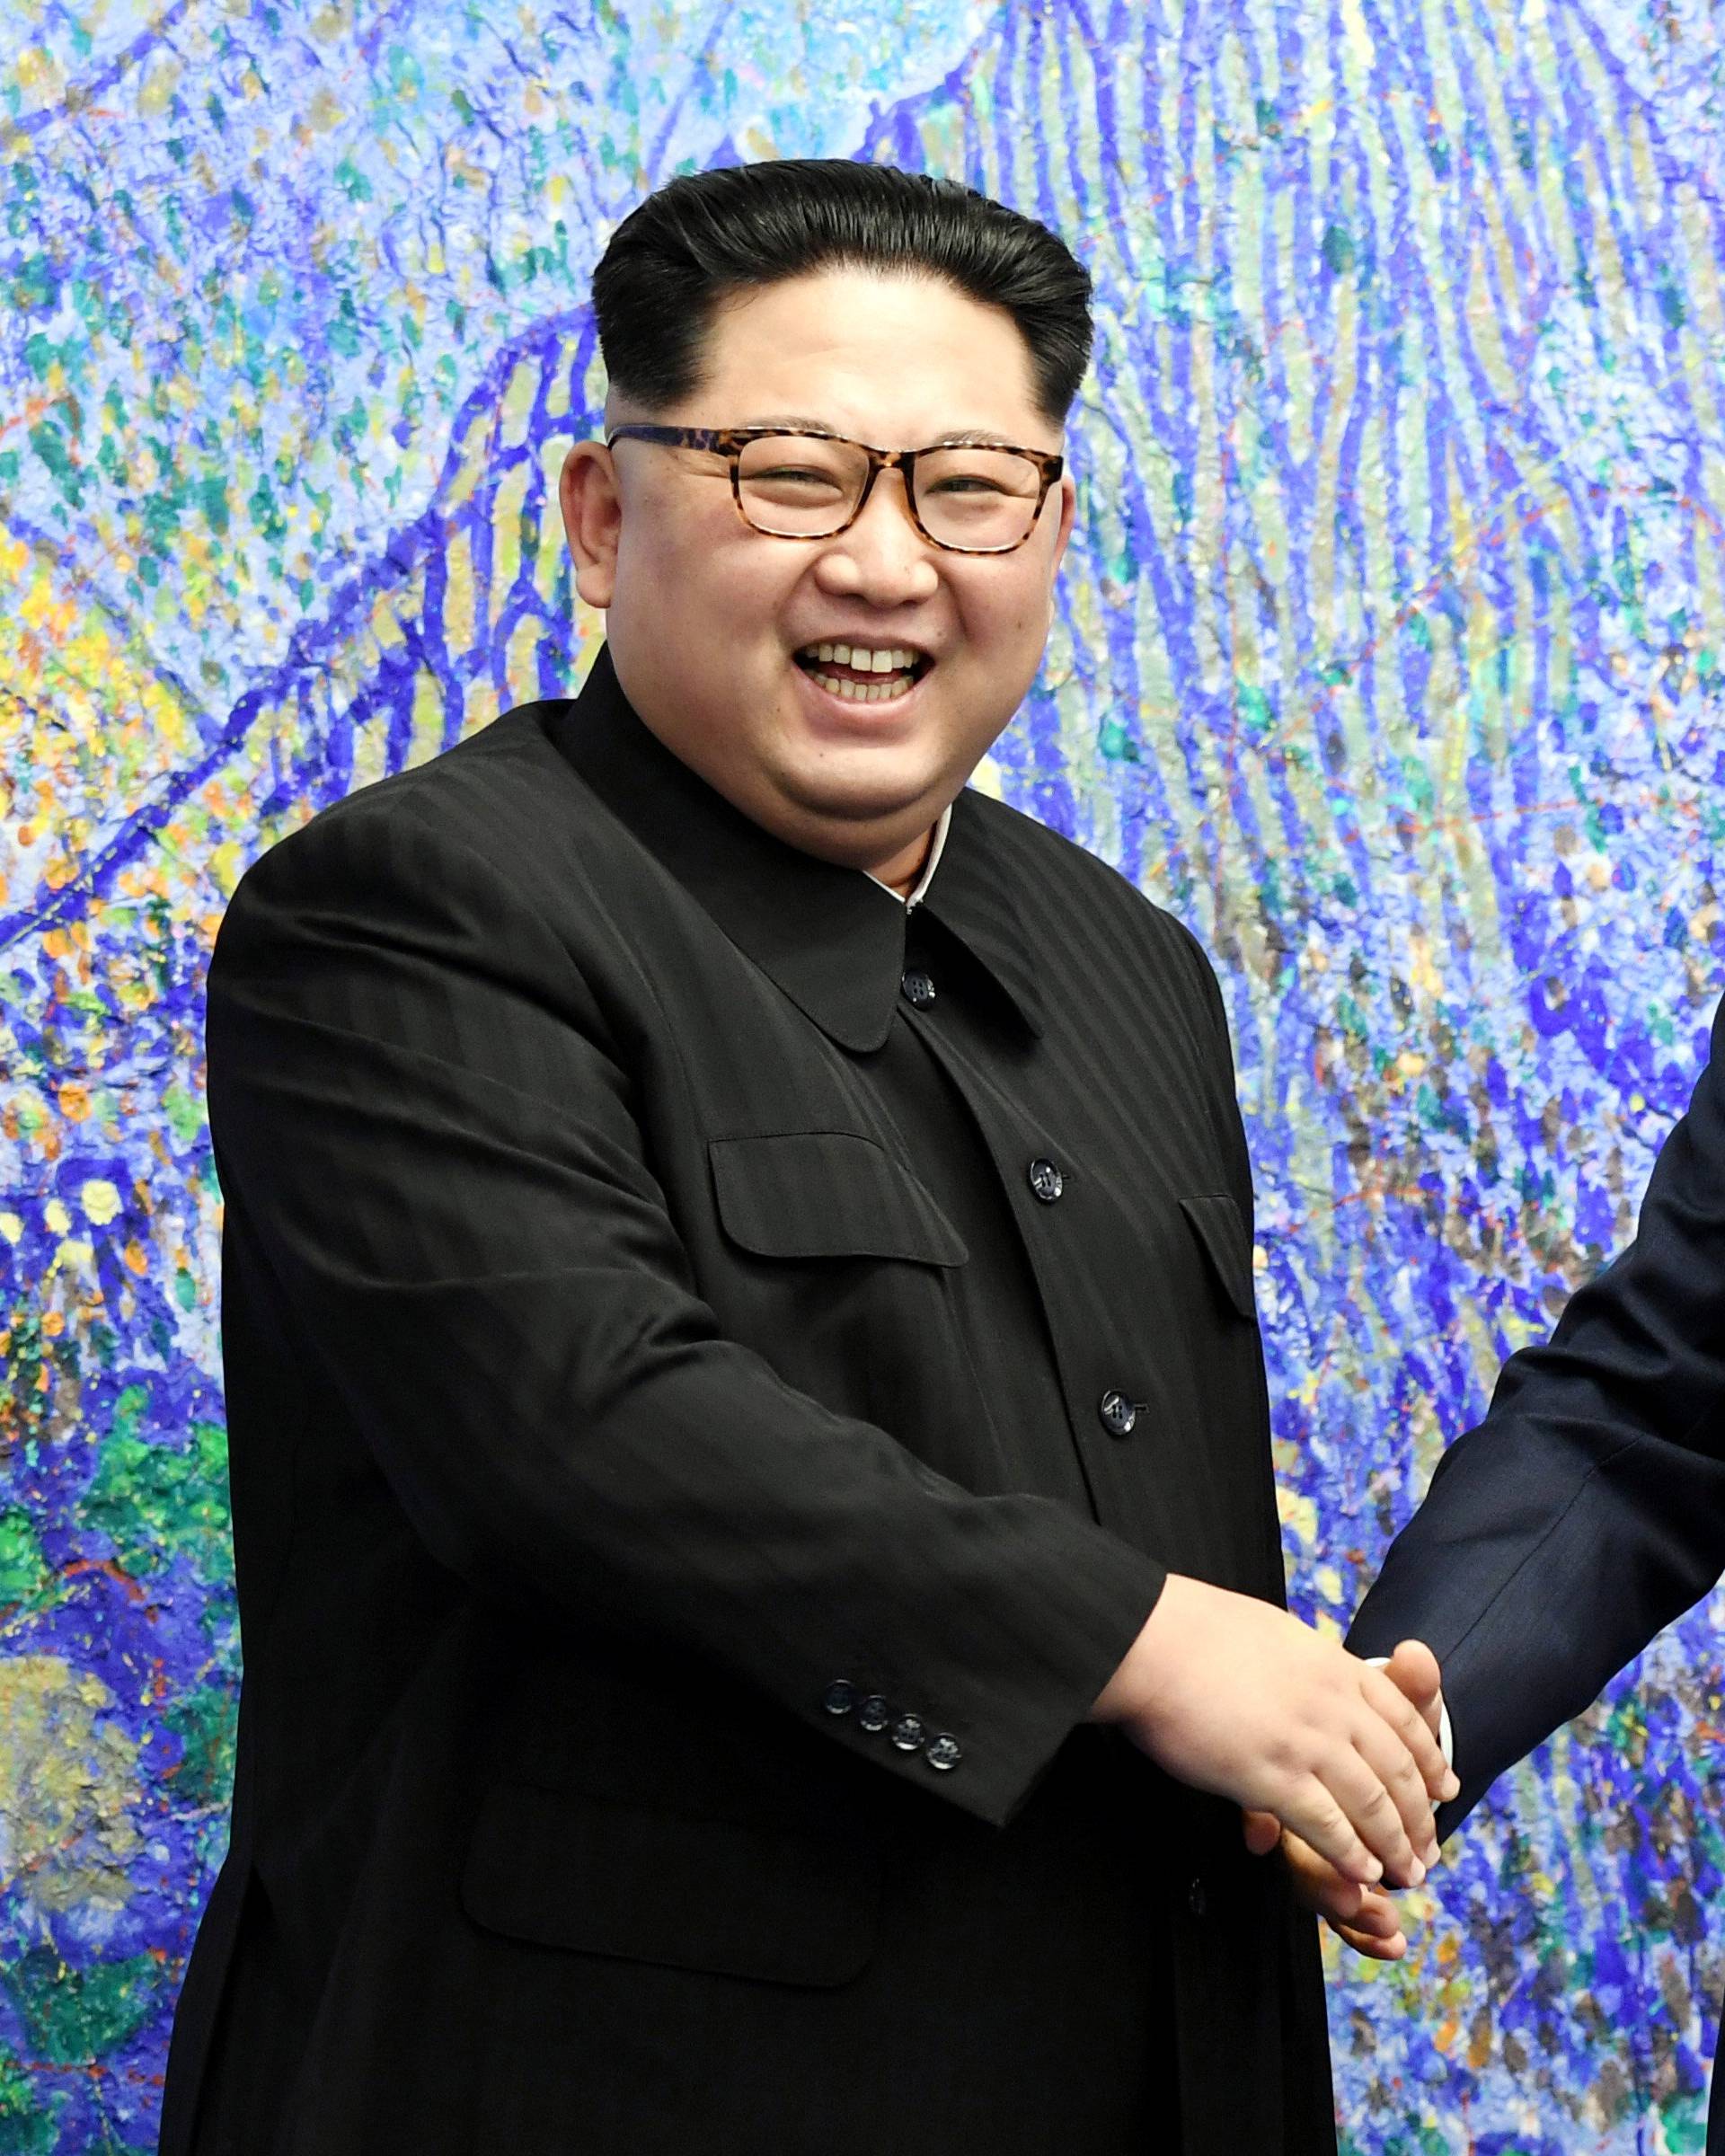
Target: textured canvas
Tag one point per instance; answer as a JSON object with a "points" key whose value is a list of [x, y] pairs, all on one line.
{"points": [[1389, 656]]}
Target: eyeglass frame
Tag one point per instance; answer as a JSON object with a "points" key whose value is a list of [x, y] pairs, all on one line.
{"points": [[729, 442]]}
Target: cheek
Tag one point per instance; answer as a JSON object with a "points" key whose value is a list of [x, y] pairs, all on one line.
{"points": [[655, 555], [719, 583], [1006, 620]]}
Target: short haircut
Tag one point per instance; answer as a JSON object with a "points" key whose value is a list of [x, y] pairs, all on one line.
{"points": [[697, 240]]}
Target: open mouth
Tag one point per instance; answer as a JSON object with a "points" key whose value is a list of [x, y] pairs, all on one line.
{"points": [[864, 673]]}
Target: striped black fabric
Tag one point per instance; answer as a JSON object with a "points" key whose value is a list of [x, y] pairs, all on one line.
{"points": [[706, 1423]]}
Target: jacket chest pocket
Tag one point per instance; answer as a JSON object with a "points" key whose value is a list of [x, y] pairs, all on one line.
{"points": [[814, 1194], [1215, 1220]]}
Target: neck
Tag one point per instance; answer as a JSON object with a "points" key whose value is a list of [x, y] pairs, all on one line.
{"points": [[900, 871]]}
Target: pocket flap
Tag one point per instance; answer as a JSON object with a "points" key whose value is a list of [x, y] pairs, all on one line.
{"points": [[1222, 1235], [827, 1194], [561, 1868]]}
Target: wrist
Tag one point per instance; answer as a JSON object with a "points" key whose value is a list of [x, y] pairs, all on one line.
{"points": [[1131, 1692]]}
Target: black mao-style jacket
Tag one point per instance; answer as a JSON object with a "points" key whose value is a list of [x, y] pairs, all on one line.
{"points": [[716, 1368]]}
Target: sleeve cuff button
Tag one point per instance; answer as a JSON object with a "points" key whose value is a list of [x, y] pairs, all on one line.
{"points": [[943, 1752], [839, 1697]]}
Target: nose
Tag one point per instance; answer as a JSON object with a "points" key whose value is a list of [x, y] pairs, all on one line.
{"points": [[882, 559]]}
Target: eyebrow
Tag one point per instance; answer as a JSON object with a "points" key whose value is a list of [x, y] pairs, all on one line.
{"points": [[974, 438]]}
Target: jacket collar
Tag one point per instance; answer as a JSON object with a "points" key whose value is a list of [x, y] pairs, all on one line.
{"points": [[830, 937]]}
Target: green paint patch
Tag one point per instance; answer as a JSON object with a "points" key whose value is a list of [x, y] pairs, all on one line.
{"points": [[1685, 2125], [25, 1571], [1339, 250], [155, 1504], [1254, 707], [74, 2015], [28, 2126], [352, 182], [54, 452], [205, 1722], [33, 285]]}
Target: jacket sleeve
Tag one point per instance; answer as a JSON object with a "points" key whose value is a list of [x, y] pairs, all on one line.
{"points": [[416, 1101], [1587, 1510]]}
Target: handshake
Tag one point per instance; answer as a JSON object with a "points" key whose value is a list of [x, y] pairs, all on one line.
{"points": [[1336, 1759]]}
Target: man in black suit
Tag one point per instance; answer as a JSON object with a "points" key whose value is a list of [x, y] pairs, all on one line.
{"points": [[755, 1539]]}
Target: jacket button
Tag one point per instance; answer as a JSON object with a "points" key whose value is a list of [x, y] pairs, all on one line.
{"points": [[1119, 1414], [1045, 1181], [918, 989], [907, 1733], [873, 1714], [840, 1696], [942, 1751], [1197, 1900]]}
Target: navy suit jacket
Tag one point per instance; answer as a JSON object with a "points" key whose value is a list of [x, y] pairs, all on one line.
{"points": [[1587, 1510]]}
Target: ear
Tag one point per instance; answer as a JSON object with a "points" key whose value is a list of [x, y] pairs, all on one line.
{"points": [[592, 510], [1068, 513]]}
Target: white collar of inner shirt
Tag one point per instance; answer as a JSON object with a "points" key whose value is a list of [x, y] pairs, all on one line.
{"points": [[929, 866]]}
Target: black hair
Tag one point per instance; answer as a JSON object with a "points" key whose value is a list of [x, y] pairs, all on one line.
{"points": [[700, 238]]}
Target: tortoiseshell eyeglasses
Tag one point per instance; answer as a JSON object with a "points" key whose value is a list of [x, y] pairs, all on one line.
{"points": [[981, 498]]}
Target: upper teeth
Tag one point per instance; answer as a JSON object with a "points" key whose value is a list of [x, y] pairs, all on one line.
{"points": [[888, 660]]}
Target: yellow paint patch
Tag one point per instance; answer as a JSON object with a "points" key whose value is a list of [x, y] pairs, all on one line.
{"points": [[66, 1778], [100, 1200], [1299, 1515]]}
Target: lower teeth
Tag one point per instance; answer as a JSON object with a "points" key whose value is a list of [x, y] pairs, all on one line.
{"points": [[878, 690]]}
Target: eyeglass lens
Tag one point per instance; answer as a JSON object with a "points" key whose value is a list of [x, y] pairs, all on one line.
{"points": [[800, 488]]}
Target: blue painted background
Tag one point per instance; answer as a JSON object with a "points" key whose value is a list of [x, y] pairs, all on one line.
{"points": [[1389, 656]]}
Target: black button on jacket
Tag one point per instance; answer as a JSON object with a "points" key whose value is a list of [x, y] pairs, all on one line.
{"points": [[640, 1333]]}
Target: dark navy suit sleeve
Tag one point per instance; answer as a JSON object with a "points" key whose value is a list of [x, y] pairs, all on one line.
{"points": [[1587, 1510]]}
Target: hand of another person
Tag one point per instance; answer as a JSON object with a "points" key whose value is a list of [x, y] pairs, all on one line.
{"points": [[1413, 1670], [1236, 1696], [1364, 1917]]}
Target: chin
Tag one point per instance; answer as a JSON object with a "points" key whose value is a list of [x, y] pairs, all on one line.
{"points": [[867, 789]]}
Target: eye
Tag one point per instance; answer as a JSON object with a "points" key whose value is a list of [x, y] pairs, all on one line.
{"points": [[789, 475], [967, 483]]}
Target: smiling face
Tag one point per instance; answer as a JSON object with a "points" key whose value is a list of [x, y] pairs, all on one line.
{"points": [[726, 640]]}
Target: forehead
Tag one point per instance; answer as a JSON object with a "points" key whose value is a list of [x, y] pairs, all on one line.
{"points": [[887, 356]]}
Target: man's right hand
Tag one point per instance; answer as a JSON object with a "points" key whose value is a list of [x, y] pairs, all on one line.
{"points": [[1235, 1696]]}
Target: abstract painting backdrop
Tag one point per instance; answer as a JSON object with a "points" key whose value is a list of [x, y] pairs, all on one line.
{"points": [[1390, 658]]}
